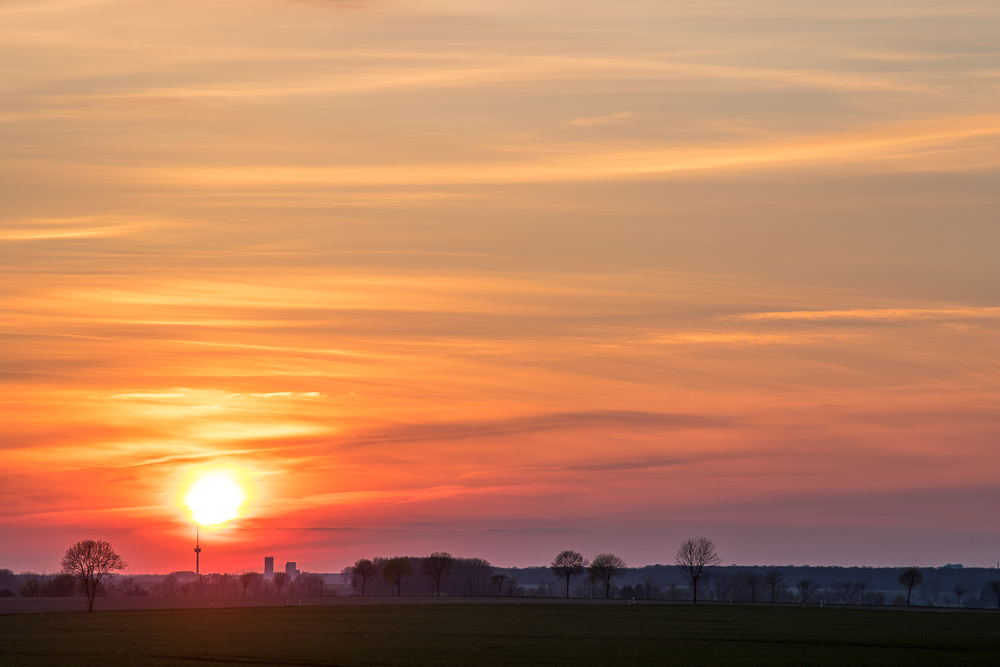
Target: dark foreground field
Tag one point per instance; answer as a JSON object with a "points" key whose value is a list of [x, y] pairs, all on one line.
{"points": [[574, 635]]}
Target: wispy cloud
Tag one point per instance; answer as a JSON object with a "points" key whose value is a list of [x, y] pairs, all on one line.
{"points": [[891, 314], [610, 119], [70, 228]]}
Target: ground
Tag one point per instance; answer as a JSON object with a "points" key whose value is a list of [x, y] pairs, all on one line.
{"points": [[502, 634]]}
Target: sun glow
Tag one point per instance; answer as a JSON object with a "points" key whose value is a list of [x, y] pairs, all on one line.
{"points": [[215, 498]]}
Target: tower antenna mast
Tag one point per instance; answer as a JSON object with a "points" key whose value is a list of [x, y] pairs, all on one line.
{"points": [[197, 549]]}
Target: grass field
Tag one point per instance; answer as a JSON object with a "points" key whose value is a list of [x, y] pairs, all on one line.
{"points": [[502, 635]]}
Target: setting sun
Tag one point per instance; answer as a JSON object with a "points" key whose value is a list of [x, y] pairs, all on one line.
{"points": [[215, 498]]}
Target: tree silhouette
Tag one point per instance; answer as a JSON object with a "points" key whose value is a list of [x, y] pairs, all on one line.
{"points": [[773, 578], [89, 561], [394, 570], [498, 579], [861, 587], [248, 579], [959, 592], [280, 580], [365, 569], [752, 580], [567, 565], [606, 567], [806, 588], [993, 588], [436, 566], [910, 578], [696, 557]]}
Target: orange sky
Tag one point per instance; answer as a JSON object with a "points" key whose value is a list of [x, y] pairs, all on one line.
{"points": [[501, 279]]}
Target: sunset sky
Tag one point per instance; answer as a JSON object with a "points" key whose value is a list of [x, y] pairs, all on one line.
{"points": [[501, 278]]}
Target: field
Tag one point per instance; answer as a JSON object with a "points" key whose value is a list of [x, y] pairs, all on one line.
{"points": [[502, 634]]}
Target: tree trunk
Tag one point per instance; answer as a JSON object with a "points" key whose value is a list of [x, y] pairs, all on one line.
{"points": [[908, 592], [567, 586], [694, 588], [607, 590]]}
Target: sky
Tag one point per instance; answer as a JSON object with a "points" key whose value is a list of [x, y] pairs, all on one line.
{"points": [[501, 279]]}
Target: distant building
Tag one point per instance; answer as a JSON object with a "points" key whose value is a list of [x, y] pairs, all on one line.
{"points": [[268, 565], [290, 569]]}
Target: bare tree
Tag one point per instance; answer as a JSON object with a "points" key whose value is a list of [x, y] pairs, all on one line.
{"points": [[696, 557], [648, 582], [807, 587], [364, 569], [30, 588], [280, 580], [844, 590], [605, 568], [394, 570], [310, 584], [773, 578], [90, 561], [567, 565], [959, 592], [752, 580], [170, 585], [861, 587], [910, 578], [512, 585], [248, 579], [992, 588], [497, 580], [436, 566], [475, 574], [60, 586]]}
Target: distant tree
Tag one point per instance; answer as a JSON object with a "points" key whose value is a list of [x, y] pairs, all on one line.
{"points": [[31, 588], [649, 583], [247, 579], [910, 578], [605, 568], [280, 580], [753, 582], [807, 587], [773, 578], [60, 586], [476, 573], [567, 565], [696, 557], [844, 591], [170, 585], [861, 587], [90, 561], [993, 590], [497, 580], [394, 570], [436, 566], [364, 569], [512, 585], [309, 584], [130, 588], [959, 592]]}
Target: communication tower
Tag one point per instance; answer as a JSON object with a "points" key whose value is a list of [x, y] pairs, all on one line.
{"points": [[197, 550]]}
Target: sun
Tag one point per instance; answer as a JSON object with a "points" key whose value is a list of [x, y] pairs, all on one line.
{"points": [[215, 498]]}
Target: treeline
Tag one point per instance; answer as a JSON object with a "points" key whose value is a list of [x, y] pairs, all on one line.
{"points": [[696, 575], [176, 584]]}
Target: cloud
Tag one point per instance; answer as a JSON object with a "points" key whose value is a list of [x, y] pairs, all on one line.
{"points": [[609, 419], [69, 228], [610, 119], [888, 314]]}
